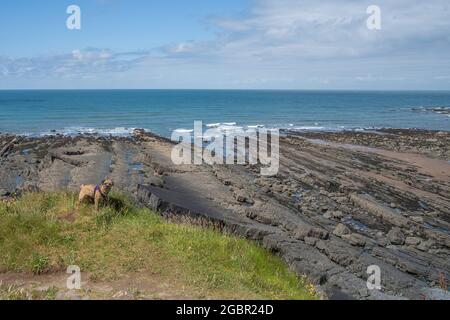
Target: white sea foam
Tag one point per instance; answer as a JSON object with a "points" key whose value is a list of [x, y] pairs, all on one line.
{"points": [[75, 131], [184, 130], [310, 128], [214, 130]]}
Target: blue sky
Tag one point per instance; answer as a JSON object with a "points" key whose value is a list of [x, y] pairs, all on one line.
{"points": [[257, 44]]}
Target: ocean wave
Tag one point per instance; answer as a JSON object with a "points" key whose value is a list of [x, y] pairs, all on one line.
{"points": [[213, 125], [436, 109], [209, 131], [76, 131], [181, 130], [333, 129], [229, 128], [310, 128], [218, 129]]}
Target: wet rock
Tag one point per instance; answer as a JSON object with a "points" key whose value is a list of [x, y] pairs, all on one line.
{"points": [[382, 242], [371, 205], [265, 189], [337, 214], [396, 236], [156, 181], [277, 188], [364, 292], [327, 215], [301, 232], [425, 245], [355, 239], [417, 219], [139, 132], [250, 213], [435, 294], [319, 234], [337, 252], [412, 241], [8, 147], [310, 241], [242, 197], [341, 230], [266, 219], [304, 231]]}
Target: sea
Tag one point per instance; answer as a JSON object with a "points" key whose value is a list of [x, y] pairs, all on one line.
{"points": [[119, 112]]}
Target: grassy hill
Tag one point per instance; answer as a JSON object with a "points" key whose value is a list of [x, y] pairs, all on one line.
{"points": [[132, 252]]}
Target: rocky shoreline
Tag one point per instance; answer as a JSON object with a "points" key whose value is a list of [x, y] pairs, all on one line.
{"points": [[340, 202]]}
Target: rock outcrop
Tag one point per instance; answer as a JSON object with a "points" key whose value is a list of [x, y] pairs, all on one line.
{"points": [[337, 205]]}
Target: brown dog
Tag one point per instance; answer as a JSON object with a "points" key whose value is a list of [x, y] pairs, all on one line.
{"points": [[95, 193]]}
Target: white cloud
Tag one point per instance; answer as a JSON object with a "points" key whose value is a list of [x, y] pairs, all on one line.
{"points": [[92, 55], [279, 44], [330, 29], [77, 64]]}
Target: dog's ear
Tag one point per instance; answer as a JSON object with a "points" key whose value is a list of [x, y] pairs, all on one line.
{"points": [[108, 179]]}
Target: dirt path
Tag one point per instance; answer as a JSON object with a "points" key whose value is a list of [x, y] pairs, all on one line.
{"points": [[133, 286]]}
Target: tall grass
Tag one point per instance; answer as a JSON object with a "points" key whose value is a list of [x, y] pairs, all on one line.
{"points": [[42, 233]]}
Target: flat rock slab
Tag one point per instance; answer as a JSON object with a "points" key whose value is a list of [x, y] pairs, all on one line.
{"points": [[165, 200]]}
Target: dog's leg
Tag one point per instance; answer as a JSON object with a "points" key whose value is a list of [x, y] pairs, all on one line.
{"points": [[97, 202], [80, 199]]}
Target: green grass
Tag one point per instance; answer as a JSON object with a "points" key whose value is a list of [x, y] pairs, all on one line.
{"points": [[42, 233], [14, 293]]}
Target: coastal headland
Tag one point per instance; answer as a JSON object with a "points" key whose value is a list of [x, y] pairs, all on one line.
{"points": [[341, 201]]}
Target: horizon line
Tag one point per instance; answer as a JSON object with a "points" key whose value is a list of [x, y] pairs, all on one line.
{"points": [[216, 89]]}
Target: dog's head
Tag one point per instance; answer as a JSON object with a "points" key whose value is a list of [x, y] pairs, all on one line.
{"points": [[106, 185]]}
